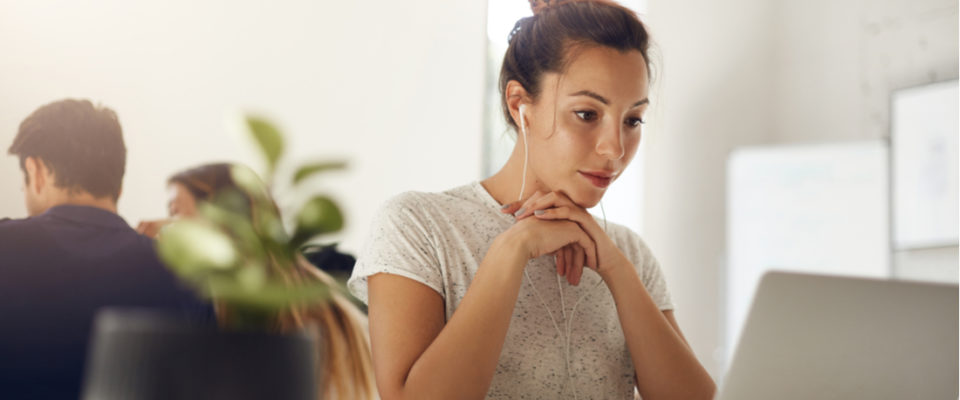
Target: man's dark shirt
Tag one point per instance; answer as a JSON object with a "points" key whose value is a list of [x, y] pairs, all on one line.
{"points": [[56, 270]]}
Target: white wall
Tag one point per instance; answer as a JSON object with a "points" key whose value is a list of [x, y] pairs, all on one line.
{"points": [[753, 72], [838, 61], [383, 84], [714, 87]]}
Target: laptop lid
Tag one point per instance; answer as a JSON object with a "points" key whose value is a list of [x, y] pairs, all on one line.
{"points": [[828, 337]]}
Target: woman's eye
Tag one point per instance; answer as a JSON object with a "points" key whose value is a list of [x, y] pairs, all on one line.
{"points": [[586, 115], [634, 122]]}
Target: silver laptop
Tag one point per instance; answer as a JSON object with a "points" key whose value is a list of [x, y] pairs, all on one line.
{"points": [[820, 337]]}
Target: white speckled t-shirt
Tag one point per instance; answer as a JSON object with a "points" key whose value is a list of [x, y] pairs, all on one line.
{"points": [[440, 239]]}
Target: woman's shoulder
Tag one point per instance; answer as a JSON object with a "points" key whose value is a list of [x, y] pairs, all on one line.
{"points": [[420, 205], [413, 197], [408, 199]]}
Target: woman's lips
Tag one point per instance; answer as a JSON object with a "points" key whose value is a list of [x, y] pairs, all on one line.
{"points": [[600, 180]]}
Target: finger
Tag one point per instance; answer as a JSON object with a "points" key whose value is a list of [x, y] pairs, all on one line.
{"points": [[553, 200], [583, 258], [568, 261], [572, 269], [527, 208], [577, 270], [511, 208], [563, 265], [553, 213], [556, 261], [563, 261], [544, 202], [590, 250], [580, 259], [579, 216]]}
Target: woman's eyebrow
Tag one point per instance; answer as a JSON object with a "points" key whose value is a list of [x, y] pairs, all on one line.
{"points": [[604, 100], [593, 95]]}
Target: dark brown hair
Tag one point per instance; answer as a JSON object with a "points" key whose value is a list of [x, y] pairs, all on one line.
{"points": [[545, 42], [206, 180], [80, 143]]}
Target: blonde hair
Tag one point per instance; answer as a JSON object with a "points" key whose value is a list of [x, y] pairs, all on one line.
{"points": [[339, 329], [343, 358]]}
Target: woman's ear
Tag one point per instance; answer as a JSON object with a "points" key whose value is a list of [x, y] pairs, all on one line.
{"points": [[516, 95]]}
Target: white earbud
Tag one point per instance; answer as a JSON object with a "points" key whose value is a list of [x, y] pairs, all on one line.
{"points": [[526, 150], [523, 122]]}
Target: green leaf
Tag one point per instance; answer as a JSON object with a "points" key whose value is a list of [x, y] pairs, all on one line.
{"points": [[232, 200], [308, 170], [265, 215], [270, 225], [192, 248], [318, 216], [268, 137], [239, 227], [250, 183], [252, 277]]}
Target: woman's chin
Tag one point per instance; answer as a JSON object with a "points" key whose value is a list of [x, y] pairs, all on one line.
{"points": [[587, 197], [584, 195]]}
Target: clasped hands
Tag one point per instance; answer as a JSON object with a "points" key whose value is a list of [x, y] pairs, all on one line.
{"points": [[554, 224]]}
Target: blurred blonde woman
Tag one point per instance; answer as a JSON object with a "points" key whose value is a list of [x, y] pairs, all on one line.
{"points": [[343, 344]]}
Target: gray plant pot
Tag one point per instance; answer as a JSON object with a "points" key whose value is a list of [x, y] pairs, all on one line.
{"points": [[146, 355]]}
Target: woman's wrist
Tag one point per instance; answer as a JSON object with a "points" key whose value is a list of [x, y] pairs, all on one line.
{"points": [[511, 250], [619, 266]]}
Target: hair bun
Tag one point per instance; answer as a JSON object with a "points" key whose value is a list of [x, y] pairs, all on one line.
{"points": [[538, 5]]}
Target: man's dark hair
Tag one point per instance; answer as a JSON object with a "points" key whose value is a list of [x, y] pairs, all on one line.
{"points": [[80, 143]]}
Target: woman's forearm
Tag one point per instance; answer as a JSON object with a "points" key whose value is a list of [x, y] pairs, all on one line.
{"points": [[666, 367], [462, 359]]}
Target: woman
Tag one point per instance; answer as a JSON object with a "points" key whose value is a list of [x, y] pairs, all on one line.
{"points": [[185, 189], [342, 328], [464, 287]]}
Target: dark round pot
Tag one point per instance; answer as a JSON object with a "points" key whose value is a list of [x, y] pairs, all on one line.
{"points": [[140, 355]]}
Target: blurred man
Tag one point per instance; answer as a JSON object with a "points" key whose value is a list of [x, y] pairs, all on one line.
{"points": [[74, 254]]}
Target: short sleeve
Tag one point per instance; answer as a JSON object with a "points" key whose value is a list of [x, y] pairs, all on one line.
{"points": [[399, 243], [649, 269]]}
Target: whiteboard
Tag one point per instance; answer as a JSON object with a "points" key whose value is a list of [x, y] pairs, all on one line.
{"points": [[924, 128], [814, 208]]}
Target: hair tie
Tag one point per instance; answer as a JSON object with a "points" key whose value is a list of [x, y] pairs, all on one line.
{"points": [[516, 29]]}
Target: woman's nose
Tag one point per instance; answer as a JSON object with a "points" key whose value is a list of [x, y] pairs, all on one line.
{"points": [[610, 143]]}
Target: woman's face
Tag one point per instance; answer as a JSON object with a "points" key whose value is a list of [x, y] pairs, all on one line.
{"points": [[180, 202], [585, 127]]}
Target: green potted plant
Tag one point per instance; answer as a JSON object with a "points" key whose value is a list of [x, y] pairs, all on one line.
{"points": [[238, 254]]}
